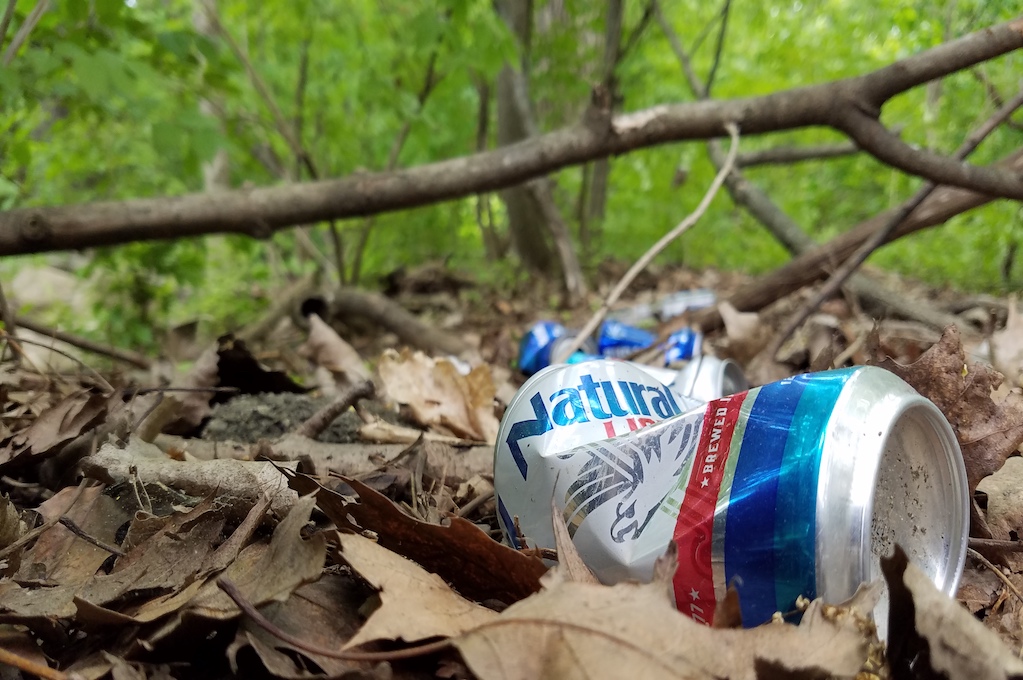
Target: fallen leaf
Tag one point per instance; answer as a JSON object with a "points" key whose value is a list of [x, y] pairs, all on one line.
{"points": [[474, 564], [570, 563], [55, 427], [323, 613], [11, 529], [585, 631], [746, 332], [193, 406], [439, 396], [325, 348], [414, 604], [1004, 491], [1007, 344], [987, 432], [932, 636]]}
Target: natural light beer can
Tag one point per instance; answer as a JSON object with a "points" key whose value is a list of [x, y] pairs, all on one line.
{"points": [[796, 488]]}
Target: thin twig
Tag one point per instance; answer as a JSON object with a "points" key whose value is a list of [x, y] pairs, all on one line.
{"points": [[995, 544], [322, 419], [466, 509], [8, 658], [5, 22], [102, 381], [656, 249], [633, 39], [231, 590], [286, 131], [878, 238], [25, 30], [127, 356], [719, 48], [46, 526], [998, 572], [80, 533], [795, 154]]}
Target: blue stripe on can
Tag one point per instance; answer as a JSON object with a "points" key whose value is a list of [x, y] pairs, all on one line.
{"points": [[750, 526], [795, 528]]}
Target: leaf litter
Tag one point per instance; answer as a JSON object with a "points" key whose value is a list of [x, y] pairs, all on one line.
{"points": [[119, 569]]}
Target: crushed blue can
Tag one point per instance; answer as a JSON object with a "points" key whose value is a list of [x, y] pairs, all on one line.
{"points": [[682, 345], [794, 489], [618, 339], [546, 343]]}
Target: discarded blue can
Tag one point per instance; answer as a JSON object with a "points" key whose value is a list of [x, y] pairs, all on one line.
{"points": [[796, 488], [618, 339], [682, 345], [546, 343]]}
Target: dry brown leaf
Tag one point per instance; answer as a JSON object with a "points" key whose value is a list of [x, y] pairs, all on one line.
{"points": [[585, 631], [747, 334], [570, 563], [1004, 491], [382, 432], [1007, 345], [323, 613], [55, 427], [414, 604], [932, 636], [474, 564], [194, 406], [988, 432], [327, 349], [439, 396]]}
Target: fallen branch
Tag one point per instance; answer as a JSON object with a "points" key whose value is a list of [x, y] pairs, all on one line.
{"points": [[259, 212], [945, 203], [322, 419], [127, 356]]}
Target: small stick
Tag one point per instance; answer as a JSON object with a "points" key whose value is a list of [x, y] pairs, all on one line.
{"points": [[322, 419], [127, 356], [656, 249], [46, 526], [80, 533], [995, 544], [998, 572], [475, 503], [8, 658], [89, 369], [232, 591]]}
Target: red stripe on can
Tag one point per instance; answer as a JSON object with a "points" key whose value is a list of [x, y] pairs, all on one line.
{"points": [[694, 579]]}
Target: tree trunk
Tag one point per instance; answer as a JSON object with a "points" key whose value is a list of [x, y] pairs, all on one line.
{"points": [[602, 168], [529, 234]]}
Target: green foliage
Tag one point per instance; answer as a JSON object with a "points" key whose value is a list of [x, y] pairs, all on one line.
{"points": [[116, 99]]}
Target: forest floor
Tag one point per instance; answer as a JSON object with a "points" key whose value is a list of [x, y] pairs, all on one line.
{"points": [[269, 514]]}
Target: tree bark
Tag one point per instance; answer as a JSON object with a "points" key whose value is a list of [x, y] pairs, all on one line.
{"points": [[944, 203], [529, 237], [602, 167], [259, 212]]}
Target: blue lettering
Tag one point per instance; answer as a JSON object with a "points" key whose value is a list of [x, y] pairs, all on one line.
{"points": [[637, 391], [587, 385], [659, 404], [630, 401], [528, 428], [573, 399], [612, 399]]}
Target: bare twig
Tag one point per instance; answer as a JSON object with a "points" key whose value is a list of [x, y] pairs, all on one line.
{"points": [[466, 509], [46, 526], [779, 155], [89, 369], [656, 249], [8, 658], [286, 131], [80, 533], [25, 30], [641, 26], [322, 419], [995, 544], [840, 275], [127, 356], [998, 572], [720, 46], [5, 22], [232, 591]]}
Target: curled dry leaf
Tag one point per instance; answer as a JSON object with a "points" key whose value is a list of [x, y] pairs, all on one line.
{"points": [[570, 563], [439, 396], [988, 432], [586, 631], [1007, 345], [746, 332], [932, 636], [55, 427], [1004, 491], [327, 349], [415, 604]]}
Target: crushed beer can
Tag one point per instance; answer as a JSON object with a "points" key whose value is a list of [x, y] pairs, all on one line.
{"points": [[796, 488], [683, 345], [667, 307], [618, 339], [546, 343]]}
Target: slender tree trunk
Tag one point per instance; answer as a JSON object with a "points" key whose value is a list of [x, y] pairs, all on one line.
{"points": [[529, 235], [597, 200]]}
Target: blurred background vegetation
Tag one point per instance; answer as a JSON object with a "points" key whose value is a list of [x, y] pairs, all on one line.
{"points": [[115, 99]]}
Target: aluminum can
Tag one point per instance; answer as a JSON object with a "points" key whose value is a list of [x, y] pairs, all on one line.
{"points": [[683, 345], [706, 377], [545, 343], [796, 488], [679, 303], [618, 339]]}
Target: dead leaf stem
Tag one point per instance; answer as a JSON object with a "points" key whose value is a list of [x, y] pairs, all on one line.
{"points": [[89, 369], [998, 572], [21, 663], [231, 590], [46, 526], [322, 419], [475, 503], [81, 533]]}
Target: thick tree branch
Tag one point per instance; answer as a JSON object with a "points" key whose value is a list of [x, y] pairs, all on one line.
{"points": [[259, 212]]}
